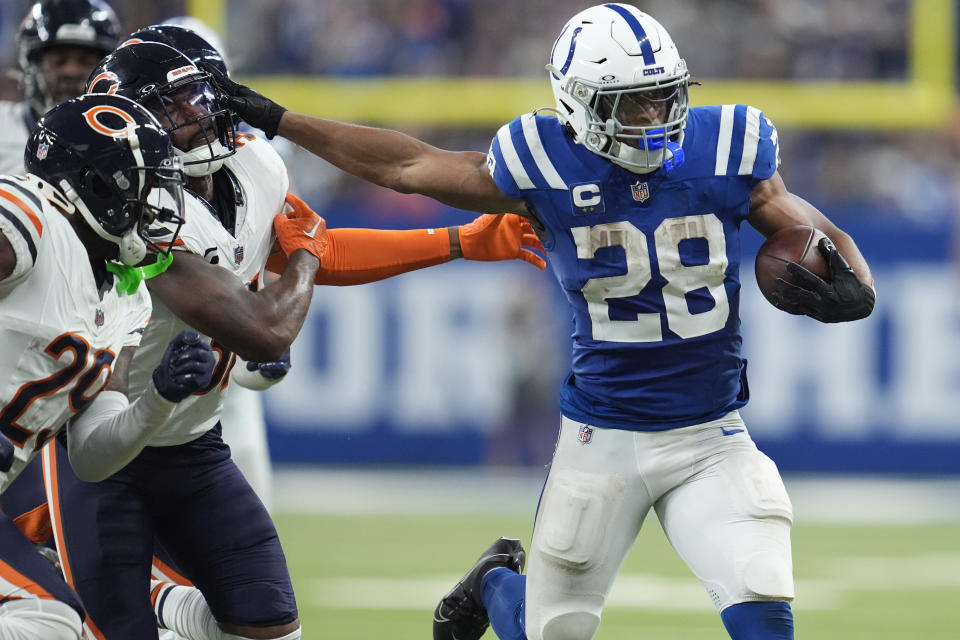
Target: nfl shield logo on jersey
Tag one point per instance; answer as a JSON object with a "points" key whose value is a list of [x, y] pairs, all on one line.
{"points": [[98, 318], [238, 253], [640, 191], [585, 435]]}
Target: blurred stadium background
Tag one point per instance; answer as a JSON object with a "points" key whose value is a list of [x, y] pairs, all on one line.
{"points": [[419, 414]]}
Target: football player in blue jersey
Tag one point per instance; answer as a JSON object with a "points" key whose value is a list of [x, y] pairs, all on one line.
{"points": [[639, 200]]}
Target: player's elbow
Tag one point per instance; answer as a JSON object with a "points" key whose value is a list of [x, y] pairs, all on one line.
{"points": [[266, 345]]}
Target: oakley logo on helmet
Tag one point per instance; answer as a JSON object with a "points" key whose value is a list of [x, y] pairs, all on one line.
{"points": [[94, 118]]}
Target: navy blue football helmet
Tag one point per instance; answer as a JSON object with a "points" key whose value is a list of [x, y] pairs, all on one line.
{"points": [[114, 164], [180, 95], [89, 24], [185, 40]]}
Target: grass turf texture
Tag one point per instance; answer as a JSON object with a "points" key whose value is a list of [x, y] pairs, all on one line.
{"points": [[380, 577]]}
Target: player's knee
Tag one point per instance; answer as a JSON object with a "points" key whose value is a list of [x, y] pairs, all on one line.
{"points": [[48, 619], [571, 527], [576, 625], [769, 576]]}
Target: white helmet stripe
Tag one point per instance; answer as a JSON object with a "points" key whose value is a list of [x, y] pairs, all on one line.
{"points": [[134, 140], [724, 139], [532, 136], [512, 159], [751, 141]]}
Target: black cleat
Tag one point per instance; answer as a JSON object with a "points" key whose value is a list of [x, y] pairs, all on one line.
{"points": [[460, 615]]}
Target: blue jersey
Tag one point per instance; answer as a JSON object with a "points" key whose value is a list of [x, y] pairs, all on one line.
{"points": [[648, 262]]}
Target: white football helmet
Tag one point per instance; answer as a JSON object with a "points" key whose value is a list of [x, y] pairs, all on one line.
{"points": [[621, 86]]}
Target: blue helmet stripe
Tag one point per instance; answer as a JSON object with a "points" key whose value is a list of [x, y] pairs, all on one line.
{"points": [[573, 45], [638, 31]]}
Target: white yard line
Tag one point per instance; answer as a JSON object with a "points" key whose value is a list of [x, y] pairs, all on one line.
{"points": [[641, 591], [514, 491]]}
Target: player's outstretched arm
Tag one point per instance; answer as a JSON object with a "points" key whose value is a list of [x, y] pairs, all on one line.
{"points": [[849, 294], [359, 256], [112, 430], [256, 326], [388, 158]]}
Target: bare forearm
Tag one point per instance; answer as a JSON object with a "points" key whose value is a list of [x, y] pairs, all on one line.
{"points": [[255, 326], [844, 243], [400, 162], [282, 307], [377, 155]]}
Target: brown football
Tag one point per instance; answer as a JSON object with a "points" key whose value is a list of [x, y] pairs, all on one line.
{"points": [[792, 244]]}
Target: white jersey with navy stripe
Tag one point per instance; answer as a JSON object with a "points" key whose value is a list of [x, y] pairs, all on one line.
{"points": [[15, 123], [649, 263], [58, 336], [263, 182]]}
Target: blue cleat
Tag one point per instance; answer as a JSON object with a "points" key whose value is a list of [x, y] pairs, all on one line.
{"points": [[460, 615]]}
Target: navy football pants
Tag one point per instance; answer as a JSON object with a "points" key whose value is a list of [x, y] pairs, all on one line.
{"points": [[194, 499]]}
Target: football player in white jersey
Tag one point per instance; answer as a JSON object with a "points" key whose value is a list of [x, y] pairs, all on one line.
{"points": [[641, 200], [184, 489], [244, 428], [100, 171], [58, 43]]}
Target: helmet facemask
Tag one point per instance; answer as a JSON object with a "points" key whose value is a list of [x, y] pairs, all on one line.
{"points": [[127, 207], [192, 108], [639, 127]]}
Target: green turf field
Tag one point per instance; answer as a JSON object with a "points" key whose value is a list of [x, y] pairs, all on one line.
{"points": [[366, 577]]}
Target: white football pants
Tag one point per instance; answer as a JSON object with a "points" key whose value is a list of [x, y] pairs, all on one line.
{"points": [[719, 499]]}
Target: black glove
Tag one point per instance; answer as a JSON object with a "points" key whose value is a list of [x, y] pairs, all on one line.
{"points": [[252, 107], [6, 453], [186, 368], [841, 299], [273, 370]]}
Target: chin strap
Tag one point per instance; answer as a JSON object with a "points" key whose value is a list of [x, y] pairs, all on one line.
{"points": [[129, 278]]}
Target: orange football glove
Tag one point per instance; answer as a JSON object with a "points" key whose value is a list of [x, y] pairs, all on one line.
{"points": [[298, 227], [505, 236]]}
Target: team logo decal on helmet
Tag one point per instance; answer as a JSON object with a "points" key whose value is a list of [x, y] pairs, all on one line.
{"points": [[92, 116], [106, 82]]}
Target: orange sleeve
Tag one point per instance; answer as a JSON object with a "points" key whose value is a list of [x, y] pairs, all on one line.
{"points": [[358, 256]]}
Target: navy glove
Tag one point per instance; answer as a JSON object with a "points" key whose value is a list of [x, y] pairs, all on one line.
{"points": [[272, 370], [841, 299], [186, 368], [6, 454], [252, 107]]}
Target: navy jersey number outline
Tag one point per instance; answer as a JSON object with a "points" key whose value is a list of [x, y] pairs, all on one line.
{"points": [[80, 396]]}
